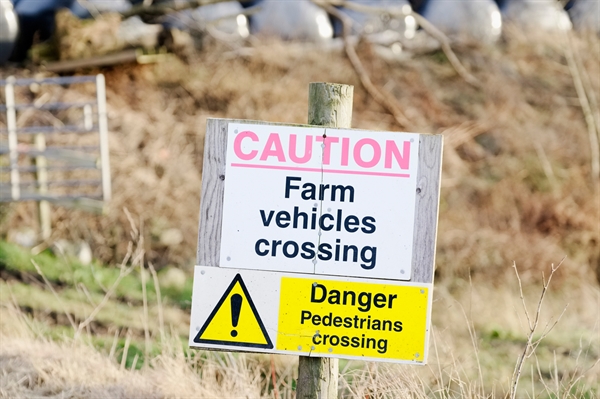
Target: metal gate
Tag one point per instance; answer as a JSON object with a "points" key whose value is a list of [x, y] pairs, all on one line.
{"points": [[53, 145]]}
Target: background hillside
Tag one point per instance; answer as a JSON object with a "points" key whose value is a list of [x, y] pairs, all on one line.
{"points": [[518, 188]]}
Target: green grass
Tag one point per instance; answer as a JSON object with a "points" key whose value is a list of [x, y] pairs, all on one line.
{"points": [[96, 278], [77, 292]]}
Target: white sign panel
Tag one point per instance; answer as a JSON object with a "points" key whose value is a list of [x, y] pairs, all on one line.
{"points": [[319, 200], [310, 315]]}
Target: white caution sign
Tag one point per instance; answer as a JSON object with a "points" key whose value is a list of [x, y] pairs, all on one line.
{"points": [[323, 201], [316, 242]]}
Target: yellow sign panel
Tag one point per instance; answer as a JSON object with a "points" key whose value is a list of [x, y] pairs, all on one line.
{"points": [[235, 320], [352, 318]]}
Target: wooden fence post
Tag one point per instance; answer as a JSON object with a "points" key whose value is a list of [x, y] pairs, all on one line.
{"points": [[41, 164], [329, 105]]}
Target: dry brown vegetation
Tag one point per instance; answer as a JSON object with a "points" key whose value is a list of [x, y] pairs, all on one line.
{"points": [[517, 160], [477, 336], [518, 185]]}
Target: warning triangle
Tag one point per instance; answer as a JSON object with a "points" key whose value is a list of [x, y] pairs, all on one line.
{"points": [[234, 321]]}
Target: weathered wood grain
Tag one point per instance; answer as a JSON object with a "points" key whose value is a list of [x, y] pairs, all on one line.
{"points": [[427, 207], [213, 188], [329, 105], [317, 378]]}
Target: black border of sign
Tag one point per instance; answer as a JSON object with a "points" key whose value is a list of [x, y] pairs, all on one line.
{"points": [[198, 340]]}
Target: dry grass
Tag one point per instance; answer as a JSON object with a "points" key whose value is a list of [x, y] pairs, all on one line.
{"points": [[517, 164], [44, 368], [478, 334]]}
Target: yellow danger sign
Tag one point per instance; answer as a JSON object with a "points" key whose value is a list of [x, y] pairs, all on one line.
{"points": [[235, 321], [352, 318]]}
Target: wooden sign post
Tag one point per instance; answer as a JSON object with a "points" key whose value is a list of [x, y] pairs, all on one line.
{"points": [[317, 241], [329, 105]]}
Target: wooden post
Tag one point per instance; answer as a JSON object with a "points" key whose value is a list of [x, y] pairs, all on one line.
{"points": [[42, 179], [103, 131], [330, 105], [11, 124]]}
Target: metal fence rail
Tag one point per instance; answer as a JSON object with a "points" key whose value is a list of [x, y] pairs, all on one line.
{"points": [[54, 150]]}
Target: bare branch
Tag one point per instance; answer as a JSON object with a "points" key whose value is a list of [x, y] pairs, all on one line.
{"points": [[584, 101], [383, 98], [521, 296], [425, 24], [447, 49], [549, 327], [531, 345], [49, 285], [541, 377], [161, 318], [123, 272]]}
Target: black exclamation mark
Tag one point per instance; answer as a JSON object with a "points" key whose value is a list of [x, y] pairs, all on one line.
{"points": [[236, 306]]}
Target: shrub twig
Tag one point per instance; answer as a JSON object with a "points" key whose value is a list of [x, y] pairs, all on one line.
{"points": [[138, 236], [427, 26], [49, 285], [273, 378], [532, 322], [124, 271], [125, 350], [383, 98], [584, 100], [161, 318]]}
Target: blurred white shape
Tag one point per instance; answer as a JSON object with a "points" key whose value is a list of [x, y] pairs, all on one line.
{"points": [[9, 28], [225, 17], [171, 277], [585, 15], [242, 23], [381, 26], [84, 252], [79, 250], [478, 21], [89, 8], [171, 237], [497, 22], [411, 27], [324, 26], [25, 237], [544, 15], [135, 32], [292, 20]]}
